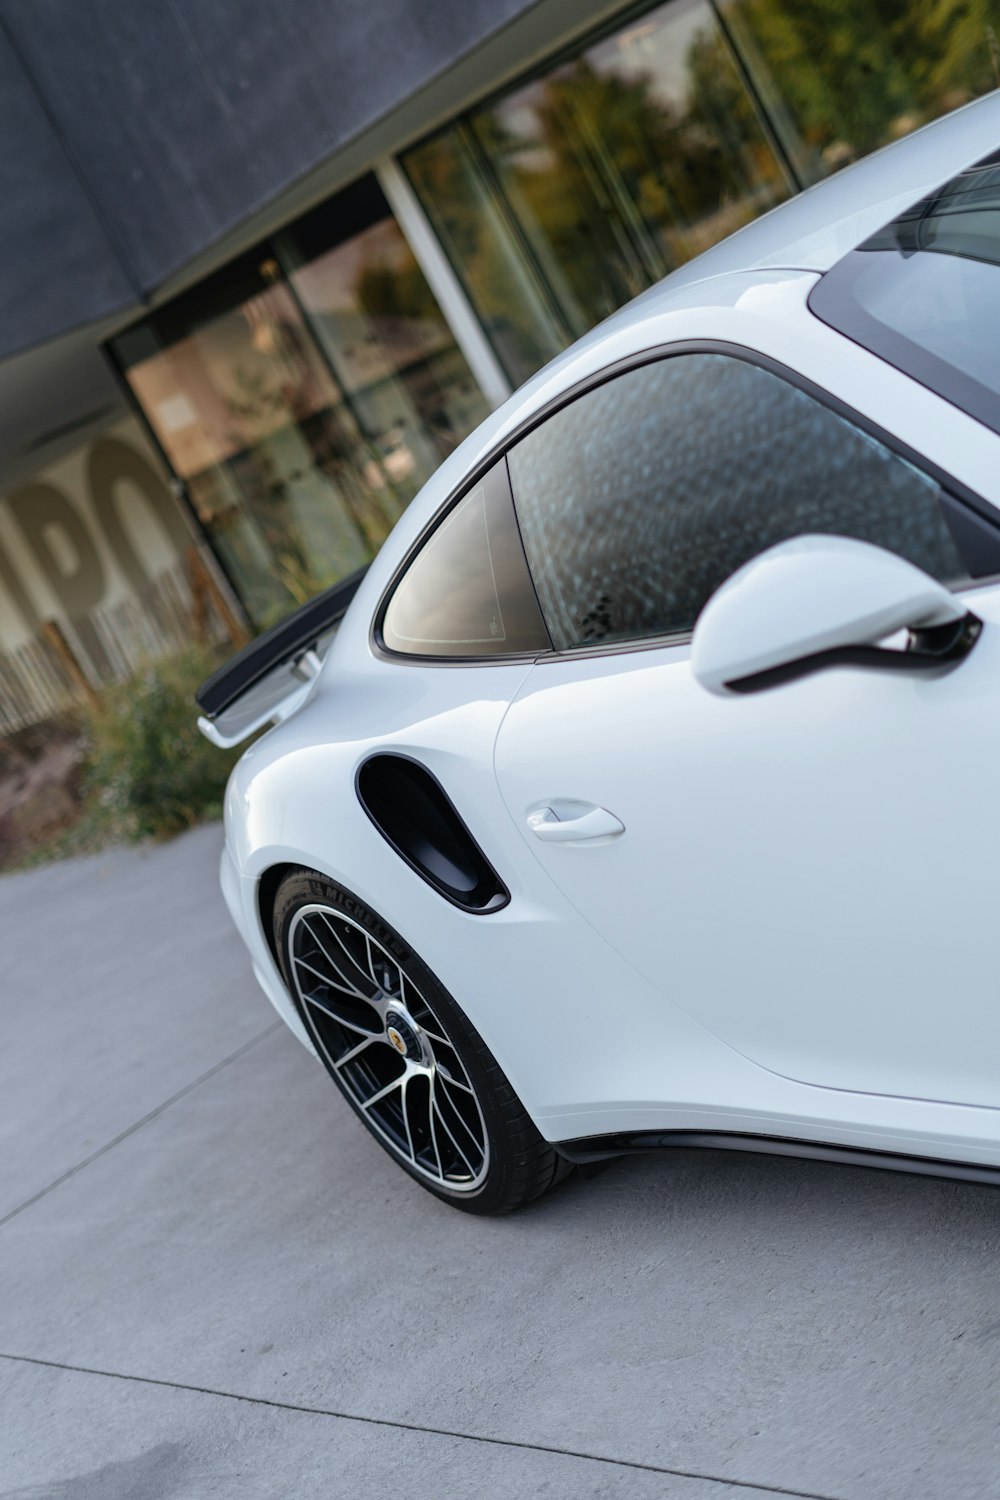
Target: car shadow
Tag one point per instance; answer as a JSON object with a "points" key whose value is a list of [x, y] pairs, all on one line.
{"points": [[700, 1182]]}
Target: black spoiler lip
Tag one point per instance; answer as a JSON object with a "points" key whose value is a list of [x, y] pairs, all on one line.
{"points": [[290, 638]]}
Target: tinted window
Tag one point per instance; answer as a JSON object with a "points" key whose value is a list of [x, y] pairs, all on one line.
{"points": [[641, 497], [924, 293], [467, 592]]}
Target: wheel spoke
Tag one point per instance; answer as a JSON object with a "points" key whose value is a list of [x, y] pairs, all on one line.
{"points": [[353, 1052], [406, 1121], [379, 958], [391, 973], [434, 1139], [451, 1080], [334, 963], [406, 990], [459, 1115], [365, 1031], [347, 954], [381, 1094], [345, 988], [436, 1110], [410, 989], [423, 1013], [371, 966]]}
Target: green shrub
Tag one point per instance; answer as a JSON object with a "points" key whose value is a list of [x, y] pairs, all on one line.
{"points": [[149, 770]]}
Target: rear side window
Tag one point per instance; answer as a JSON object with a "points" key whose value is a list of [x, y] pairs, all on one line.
{"points": [[924, 293], [642, 496], [467, 593]]}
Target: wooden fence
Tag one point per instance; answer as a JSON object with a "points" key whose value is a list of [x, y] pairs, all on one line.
{"points": [[59, 668]]}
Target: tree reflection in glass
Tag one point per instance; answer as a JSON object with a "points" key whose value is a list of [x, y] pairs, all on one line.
{"points": [[843, 77], [577, 191]]}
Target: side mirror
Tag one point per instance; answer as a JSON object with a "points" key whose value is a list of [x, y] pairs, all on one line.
{"points": [[824, 601]]}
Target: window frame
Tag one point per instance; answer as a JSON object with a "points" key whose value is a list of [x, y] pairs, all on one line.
{"points": [[960, 494]]}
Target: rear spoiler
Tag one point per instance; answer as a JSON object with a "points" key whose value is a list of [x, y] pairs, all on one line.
{"points": [[290, 644]]}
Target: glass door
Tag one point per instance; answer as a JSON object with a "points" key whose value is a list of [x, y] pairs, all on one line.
{"points": [[303, 395], [379, 325], [251, 419]]}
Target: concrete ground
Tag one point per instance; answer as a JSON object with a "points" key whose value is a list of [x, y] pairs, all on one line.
{"points": [[213, 1283]]}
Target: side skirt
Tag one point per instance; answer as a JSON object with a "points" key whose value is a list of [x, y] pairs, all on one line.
{"points": [[590, 1149]]}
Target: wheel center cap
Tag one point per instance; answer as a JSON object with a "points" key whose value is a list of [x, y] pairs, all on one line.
{"points": [[401, 1034]]}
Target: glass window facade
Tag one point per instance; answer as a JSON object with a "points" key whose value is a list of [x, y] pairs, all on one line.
{"points": [[603, 175], [382, 332], [575, 191], [840, 78], [302, 396]]}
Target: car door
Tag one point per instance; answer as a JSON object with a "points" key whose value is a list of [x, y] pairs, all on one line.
{"points": [[810, 871]]}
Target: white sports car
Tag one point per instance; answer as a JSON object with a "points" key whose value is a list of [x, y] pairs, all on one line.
{"points": [[648, 791]]}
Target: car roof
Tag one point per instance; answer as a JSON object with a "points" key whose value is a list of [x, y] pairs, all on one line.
{"points": [[807, 234], [813, 230]]}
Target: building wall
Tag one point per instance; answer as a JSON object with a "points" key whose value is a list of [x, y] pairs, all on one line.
{"points": [[144, 131], [59, 266]]}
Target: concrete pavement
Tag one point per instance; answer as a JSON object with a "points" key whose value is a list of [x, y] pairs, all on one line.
{"points": [[212, 1283]]}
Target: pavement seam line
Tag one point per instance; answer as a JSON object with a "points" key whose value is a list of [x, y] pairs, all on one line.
{"points": [[467, 1437], [138, 1124]]}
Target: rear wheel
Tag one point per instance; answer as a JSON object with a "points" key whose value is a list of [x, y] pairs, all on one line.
{"points": [[409, 1062]]}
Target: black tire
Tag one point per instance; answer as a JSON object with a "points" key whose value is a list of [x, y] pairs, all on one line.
{"points": [[517, 1165]]}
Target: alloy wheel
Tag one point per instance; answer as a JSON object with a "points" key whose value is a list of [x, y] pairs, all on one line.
{"points": [[387, 1048]]}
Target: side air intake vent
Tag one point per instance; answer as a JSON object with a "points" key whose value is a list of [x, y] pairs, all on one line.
{"points": [[412, 813]]}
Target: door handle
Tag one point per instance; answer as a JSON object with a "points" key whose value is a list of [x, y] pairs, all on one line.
{"points": [[573, 823]]}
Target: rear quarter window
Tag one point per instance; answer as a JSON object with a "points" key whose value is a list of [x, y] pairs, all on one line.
{"points": [[467, 592]]}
